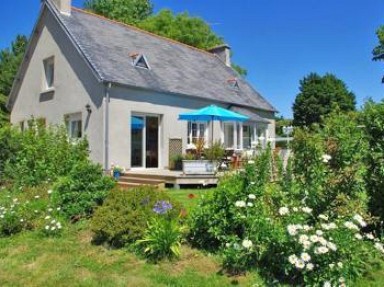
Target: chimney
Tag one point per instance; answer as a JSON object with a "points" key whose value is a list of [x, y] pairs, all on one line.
{"points": [[64, 6], [223, 52]]}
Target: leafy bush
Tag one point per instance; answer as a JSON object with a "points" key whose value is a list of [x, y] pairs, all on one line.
{"points": [[373, 125], [38, 154], [162, 238], [123, 217], [29, 209], [82, 189]]}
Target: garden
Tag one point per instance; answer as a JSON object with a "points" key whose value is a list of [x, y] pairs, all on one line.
{"points": [[316, 220]]}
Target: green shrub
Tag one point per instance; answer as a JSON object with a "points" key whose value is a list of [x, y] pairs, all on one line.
{"points": [[162, 238], [38, 154], [29, 209], [123, 217], [82, 189], [373, 126]]}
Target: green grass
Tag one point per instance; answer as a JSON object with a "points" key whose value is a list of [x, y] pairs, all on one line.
{"points": [[189, 198], [28, 259]]}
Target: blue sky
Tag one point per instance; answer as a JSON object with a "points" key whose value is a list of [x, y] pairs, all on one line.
{"points": [[278, 41]]}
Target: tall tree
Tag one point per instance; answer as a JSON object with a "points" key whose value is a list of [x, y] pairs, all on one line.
{"points": [[319, 95], [126, 11], [10, 60], [378, 52]]}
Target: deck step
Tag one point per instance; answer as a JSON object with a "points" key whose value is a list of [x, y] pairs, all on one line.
{"points": [[141, 180]]}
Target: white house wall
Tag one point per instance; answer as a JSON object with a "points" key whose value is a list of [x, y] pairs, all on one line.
{"points": [[74, 87]]}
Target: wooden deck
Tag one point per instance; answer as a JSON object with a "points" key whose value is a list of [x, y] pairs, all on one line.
{"points": [[162, 177]]}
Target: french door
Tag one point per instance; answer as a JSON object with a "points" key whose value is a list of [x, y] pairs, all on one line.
{"points": [[144, 141]]}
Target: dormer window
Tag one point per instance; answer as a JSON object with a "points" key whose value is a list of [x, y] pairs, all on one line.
{"points": [[139, 61], [233, 83], [49, 73]]}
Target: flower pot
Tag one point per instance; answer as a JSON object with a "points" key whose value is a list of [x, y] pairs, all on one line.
{"points": [[116, 174]]}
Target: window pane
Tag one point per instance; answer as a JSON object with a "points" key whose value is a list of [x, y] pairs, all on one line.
{"points": [[228, 135]]}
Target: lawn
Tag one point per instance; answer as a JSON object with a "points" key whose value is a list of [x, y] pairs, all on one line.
{"points": [[28, 259]]}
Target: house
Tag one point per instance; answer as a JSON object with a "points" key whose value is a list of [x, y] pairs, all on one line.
{"points": [[123, 88]]}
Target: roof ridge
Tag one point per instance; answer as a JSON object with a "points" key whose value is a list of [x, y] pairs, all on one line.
{"points": [[142, 31]]}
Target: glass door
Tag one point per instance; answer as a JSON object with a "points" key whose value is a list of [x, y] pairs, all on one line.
{"points": [[144, 141]]}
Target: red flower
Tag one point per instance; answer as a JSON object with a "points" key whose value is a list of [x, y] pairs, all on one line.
{"points": [[191, 196]]}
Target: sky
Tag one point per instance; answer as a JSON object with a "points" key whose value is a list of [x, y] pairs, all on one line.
{"points": [[278, 41]]}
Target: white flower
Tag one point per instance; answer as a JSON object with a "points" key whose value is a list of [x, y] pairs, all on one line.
{"points": [[314, 238], [307, 245], [327, 284], [47, 217], [340, 264], [53, 221], [247, 243], [326, 158], [37, 196], [358, 236], [292, 230], [379, 247], [370, 236], [358, 218], [250, 204], [252, 183], [251, 196], [305, 257], [306, 227], [293, 259], [306, 209], [53, 228], [321, 250], [49, 191], [319, 232], [323, 241], [310, 266], [332, 265], [303, 238], [283, 210], [240, 203], [251, 162], [300, 264], [50, 209], [323, 217], [295, 209], [21, 220], [46, 227], [58, 208], [341, 280], [332, 246], [227, 245], [351, 225]]}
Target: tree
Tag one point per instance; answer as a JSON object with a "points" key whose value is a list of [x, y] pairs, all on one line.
{"points": [[126, 11], [378, 52], [320, 95], [10, 60]]}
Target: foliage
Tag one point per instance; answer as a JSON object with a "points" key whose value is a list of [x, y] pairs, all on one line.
{"points": [[280, 123], [38, 154], [82, 189], [215, 152], [123, 217], [378, 51], [373, 125], [240, 70], [319, 95], [329, 163], [126, 11], [10, 60], [176, 162], [162, 238], [29, 209]]}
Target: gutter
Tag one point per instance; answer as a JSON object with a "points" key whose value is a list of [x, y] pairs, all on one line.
{"points": [[106, 98]]}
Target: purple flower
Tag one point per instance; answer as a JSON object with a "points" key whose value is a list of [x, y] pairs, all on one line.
{"points": [[162, 207]]}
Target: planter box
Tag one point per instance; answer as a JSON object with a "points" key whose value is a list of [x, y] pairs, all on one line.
{"points": [[198, 167]]}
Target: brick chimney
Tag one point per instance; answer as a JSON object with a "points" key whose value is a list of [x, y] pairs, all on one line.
{"points": [[64, 6], [223, 52]]}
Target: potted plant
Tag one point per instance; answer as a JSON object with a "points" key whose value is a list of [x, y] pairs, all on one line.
{"points": [[176, 162], [116, 171]]}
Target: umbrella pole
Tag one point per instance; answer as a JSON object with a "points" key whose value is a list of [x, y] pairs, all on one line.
{"points": [[211, 132]]}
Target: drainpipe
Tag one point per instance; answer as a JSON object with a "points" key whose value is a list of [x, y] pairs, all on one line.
{"points": [[106, 125]]}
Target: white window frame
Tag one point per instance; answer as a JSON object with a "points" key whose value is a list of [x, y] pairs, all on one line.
{"points": [[70, 121], [49, 73], [200, 134]]}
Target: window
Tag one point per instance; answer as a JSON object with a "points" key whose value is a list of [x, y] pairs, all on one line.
{"points": [[74, 126], [196, 131], [22, 126], [140, 61], [247, 136], [49, 73], [229, 135]]}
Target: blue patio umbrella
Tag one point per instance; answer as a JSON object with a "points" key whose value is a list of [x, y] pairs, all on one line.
{"points": [[211, 113], [137, 123]]}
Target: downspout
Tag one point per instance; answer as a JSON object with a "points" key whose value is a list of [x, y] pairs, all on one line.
{"points": [[106, 125]]}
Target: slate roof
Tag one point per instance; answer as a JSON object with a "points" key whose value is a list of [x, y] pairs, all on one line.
{"points": [[252, 115], [175, 67]]}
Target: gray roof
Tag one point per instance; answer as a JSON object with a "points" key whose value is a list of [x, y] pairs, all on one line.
{"points": [[174, 67], [253, 116]]}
